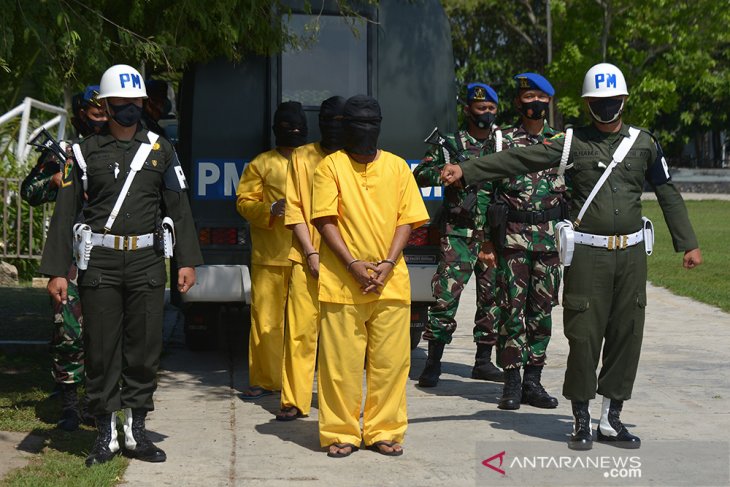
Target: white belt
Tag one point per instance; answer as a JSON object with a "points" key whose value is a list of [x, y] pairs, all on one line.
{"points": [[610, 242], [118, 242]]}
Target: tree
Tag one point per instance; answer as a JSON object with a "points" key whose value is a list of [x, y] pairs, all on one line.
{"points": [[674, 55], [51, 46]]}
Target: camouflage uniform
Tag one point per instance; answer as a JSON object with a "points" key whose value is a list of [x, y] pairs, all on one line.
{"points": [[528, 270], [67, 346], [461, 235]]}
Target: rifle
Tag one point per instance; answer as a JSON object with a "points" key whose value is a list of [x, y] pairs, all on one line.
{"points": [[44, 142], [461, 213], [438, 139]]}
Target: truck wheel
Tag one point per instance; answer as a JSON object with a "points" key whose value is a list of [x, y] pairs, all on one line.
{"points": [[201, 327], [416, 332]]}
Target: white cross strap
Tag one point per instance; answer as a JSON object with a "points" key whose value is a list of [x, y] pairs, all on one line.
{"points": [[618, 157], [137, 163]]}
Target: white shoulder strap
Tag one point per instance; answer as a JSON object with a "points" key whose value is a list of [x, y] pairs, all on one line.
{"points": [[566, 151], [136, 164], [81, 163], [618, 156], [497, 140]]}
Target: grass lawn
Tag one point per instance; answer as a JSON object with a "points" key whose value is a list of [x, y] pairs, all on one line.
{"points": [[25, 406], [708, 283]]}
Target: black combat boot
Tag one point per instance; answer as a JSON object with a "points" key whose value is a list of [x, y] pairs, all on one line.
{"points": [[512, 392], [533, 393], [582, 437], [136, 443], [69, 408], [430, 375], [484, 369], [106, 445], [612, 430], [86, 417]]}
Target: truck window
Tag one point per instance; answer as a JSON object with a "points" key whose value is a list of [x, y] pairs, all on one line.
{"points": [[334, 63]]}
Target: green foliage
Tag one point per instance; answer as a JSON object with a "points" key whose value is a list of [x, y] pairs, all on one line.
{"points": [[46, 46], [675, 56], [708, 283]]}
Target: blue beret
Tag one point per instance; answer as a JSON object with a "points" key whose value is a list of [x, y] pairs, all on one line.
{"points": [[90, 95], [534, 81], [480, 92]]}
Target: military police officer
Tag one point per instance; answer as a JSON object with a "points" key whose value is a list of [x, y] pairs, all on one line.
{"points": [[526, 208], [463, 230], [605, 284], [126, 175], [67, 350]]}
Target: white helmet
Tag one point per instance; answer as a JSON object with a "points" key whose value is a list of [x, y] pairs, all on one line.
{"points": [[604, 80], [122, 81]]}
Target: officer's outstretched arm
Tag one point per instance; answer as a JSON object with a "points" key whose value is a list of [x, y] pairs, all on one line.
{"points": [[513, 162]]}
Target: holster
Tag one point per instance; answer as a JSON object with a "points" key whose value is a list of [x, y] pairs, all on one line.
{"points": [[165, 237], [497, 220], [82, 245]]}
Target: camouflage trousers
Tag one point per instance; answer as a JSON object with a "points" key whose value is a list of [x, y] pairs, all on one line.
{"points": [[457, 264], [527, 290], [67, 343]]}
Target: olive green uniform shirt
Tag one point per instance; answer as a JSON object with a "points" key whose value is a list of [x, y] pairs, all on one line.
{"points": [[616, 209], [159, 183]]}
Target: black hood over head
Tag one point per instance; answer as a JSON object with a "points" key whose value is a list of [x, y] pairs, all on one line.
{"points": [[362, 118], [290, 125], [331, 123]]}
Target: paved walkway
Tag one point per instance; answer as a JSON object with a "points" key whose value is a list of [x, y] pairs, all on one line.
{"points": [[214, 439]]}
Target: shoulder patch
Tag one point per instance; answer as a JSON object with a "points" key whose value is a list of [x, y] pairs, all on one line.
{"points": [[67, 178], [174, 177]]}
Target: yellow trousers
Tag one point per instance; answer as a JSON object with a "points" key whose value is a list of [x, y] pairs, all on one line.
{"points": [[300, 340], [269, 285], [348, 331]]}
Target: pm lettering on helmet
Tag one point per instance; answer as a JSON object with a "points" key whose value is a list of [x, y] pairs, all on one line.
{"points": [[609, 79], [125, 78]]}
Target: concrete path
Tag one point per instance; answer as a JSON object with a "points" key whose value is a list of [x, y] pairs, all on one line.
{"points": [[214, 439]]}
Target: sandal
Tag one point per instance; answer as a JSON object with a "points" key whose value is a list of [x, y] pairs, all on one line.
{"points": [[341, 446], [254, 393], [376, 447], [286, 414]]}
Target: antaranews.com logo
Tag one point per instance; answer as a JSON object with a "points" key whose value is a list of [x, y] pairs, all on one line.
{"points": [[665, 463], [620, 467]]}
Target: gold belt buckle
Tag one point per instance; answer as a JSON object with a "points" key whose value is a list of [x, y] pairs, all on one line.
{"points": [[611, 242], [624, 241], [132, 243]]}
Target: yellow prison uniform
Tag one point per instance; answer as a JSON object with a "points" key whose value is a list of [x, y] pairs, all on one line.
{"points": [[369, 201], [302, 309], [263, 183]]}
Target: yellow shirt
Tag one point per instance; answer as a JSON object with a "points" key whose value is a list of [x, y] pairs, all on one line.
{"points": [[263, 182], [369, 201], [299, 179]]}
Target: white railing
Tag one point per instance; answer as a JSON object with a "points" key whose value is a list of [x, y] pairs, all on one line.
{"points": [[23, 110]]}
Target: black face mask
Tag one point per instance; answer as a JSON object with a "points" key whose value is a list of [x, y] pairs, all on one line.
{"points": [[535, 110], [96, 125], [126, 115], [483, 121], [361, 137], [606, 110]]}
